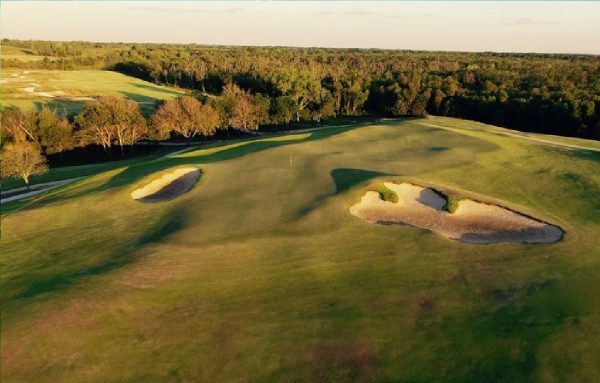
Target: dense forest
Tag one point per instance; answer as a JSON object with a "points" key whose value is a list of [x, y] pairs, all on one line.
{"points": [[557, 94]]}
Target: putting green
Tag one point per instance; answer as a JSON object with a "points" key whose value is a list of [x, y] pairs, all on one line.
{"points": [[260, 273]]}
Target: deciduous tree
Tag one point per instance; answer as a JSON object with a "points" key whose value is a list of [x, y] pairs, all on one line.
{"points": [[185, 116], [22, 159], [54, 133], [243, 115]]}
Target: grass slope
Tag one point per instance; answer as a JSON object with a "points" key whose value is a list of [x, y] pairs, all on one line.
{"points": [[70, 88], [259, 273], [19, 54]]}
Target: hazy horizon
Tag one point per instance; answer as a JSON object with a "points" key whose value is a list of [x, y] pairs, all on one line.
{"points": [[516, 27]]}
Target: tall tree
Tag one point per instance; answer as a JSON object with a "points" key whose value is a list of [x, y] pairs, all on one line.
{"points": [[301, 86], [95, 124], [185, 116], [262, 105], [243, 115], [129, 124], [18, 126], [55, 133], [283, 109], [22, 159]]}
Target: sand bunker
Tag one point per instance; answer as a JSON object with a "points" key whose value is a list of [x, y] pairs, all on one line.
{"points": [[473, 222], [32, 90], [168, 187]]}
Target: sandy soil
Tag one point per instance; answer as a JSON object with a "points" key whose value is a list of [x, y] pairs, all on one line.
{"points": [[168, 187], [31, 90], [473, 222]]}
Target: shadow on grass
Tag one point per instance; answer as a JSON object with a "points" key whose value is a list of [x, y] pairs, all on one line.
{"points": [[437, 149], [33, 285], [231, 150], [516, 321], [585, 154], [156, 88], [344, 179]]}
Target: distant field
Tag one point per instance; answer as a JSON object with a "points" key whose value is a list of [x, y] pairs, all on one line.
{"points": [[27, 89], [260, 273], [21, 54]]}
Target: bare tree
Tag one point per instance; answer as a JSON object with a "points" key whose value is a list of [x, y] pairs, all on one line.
{"points": [[22, 159]]}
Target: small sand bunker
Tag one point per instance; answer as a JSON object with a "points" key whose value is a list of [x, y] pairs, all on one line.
{"points": [[31, 89], [473, 222], [168, 187]]}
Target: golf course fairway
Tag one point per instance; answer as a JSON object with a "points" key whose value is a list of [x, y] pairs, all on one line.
{"points": [[259, 273]]}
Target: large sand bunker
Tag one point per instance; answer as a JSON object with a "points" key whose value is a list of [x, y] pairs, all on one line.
{"points": [[473, 222], [167, 187]]}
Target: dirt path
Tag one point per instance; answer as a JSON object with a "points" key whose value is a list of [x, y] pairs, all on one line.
{"points": [[20, 193], [509, 133]]}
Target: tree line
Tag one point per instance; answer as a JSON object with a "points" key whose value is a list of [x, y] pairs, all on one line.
{"points": [[28, 137], [557, 94]]}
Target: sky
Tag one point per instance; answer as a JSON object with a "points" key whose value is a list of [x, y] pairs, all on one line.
{"points": [[508, 26]]}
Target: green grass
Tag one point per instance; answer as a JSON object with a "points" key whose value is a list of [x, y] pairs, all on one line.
{"points": [[68, 87], [20, 54], [387, 195], [451, 202], [259, 273], [66, 172]]}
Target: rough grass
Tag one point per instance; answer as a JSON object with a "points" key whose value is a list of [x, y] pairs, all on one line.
{"points": [[20, 54], [78, 83], [260, 273], [451, 202], [387, 195]]}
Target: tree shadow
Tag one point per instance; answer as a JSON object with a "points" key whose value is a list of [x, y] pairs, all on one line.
{"points": [[585, 154], [156, 88], [231, 150], [344, 179], [147, 104], [437, 149], [49, 279], [59, 105]]}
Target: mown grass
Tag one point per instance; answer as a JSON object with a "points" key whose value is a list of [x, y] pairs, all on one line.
{"points": [[67, 86], [67, 172], [20, 54], [259, 273]]}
